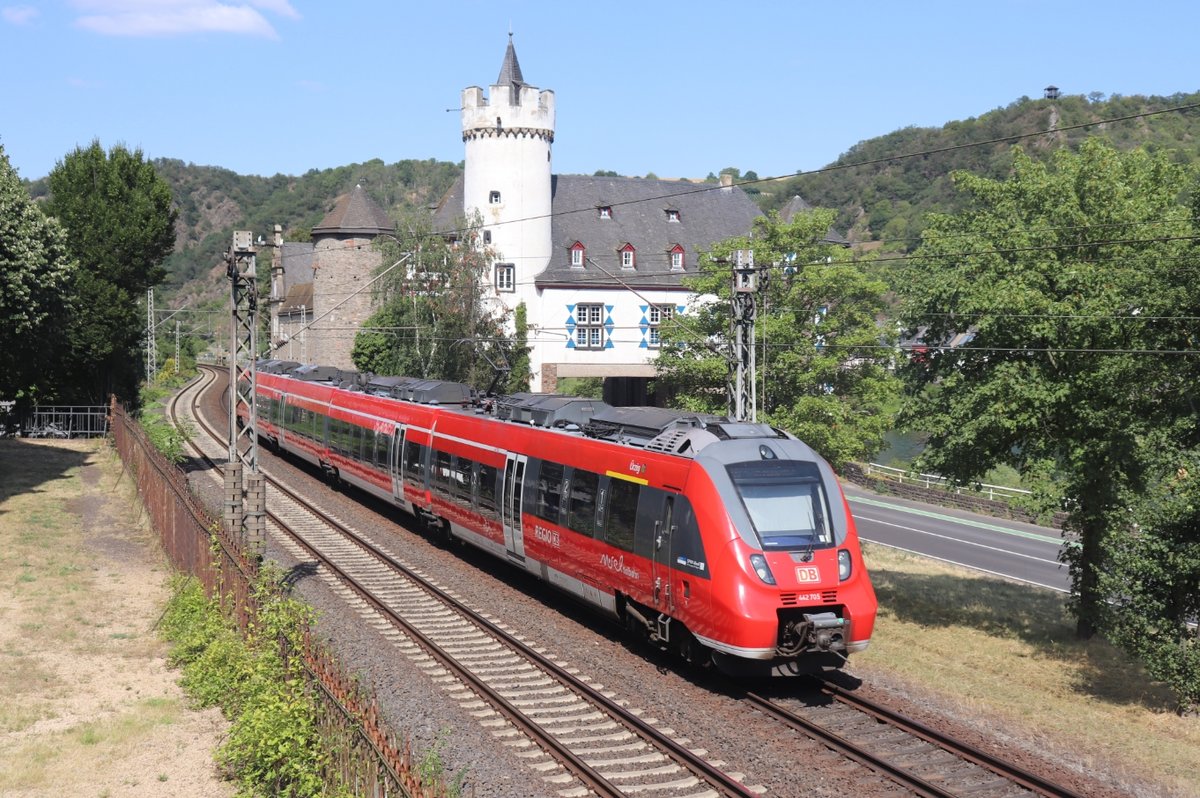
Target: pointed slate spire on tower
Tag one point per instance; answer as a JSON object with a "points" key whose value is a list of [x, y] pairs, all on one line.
{"points": [[355, 213], [510, 73]]}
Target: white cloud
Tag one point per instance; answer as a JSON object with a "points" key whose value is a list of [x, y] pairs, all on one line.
{"points": [[180, 17], [18, 15]]}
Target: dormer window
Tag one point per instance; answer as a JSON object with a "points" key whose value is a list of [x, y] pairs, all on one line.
{"points": [[577, 255], [605, 211], [672, 215], [676, 255], [494, 198], [628, 257]]}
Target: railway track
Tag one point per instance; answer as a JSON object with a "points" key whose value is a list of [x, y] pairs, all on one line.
{"points": [[578, 735], [927, 762], [575, 733]]}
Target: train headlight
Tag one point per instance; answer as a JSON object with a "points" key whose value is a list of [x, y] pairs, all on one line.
{"points": [[759, 563], [844, 565]]}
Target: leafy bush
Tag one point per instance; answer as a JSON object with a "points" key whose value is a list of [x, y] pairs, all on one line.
{"points": [[273, 747]]}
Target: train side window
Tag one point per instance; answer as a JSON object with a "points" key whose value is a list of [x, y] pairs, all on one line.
{"points": [[335, 435], [549, 492], [533, 470], [687, 548], [460, 479], [487, 491], [581, 516], [649, 517], [382, 442], [442, 469], [622, 513], [414, 462]]}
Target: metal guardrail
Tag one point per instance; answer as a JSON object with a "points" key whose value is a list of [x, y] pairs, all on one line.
{"points": [[58, 421], [902, 476]]}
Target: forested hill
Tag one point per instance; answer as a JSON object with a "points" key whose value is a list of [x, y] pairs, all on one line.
{"points": [[213, 201], [887, 200]]}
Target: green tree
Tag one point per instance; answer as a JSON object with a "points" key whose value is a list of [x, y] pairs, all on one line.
{"points": [[36, 273], [521, 371], [1058, 273], [1152, 579], [436, 319], [822, 356], [120, 226]]}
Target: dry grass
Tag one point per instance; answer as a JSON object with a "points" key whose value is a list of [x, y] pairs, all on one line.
{"points": [[89, 705], [999, 650]]}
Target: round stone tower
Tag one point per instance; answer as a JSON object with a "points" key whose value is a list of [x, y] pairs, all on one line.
{"points": [[506, 174]]}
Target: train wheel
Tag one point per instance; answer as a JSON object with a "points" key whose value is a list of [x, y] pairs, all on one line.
{"points": [[334, 478], [692, 651]]}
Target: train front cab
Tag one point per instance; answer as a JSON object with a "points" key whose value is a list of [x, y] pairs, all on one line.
{"points": [[793, 595]]}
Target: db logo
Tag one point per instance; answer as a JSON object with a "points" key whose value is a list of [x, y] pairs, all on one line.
{"points": [[807, 573]]}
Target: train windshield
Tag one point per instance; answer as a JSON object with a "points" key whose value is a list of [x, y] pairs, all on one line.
{"points": [[786, 502]]}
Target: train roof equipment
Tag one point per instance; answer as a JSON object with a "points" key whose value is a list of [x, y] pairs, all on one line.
{"points": [[675, 432], [549, 409], [314, 373], [276, 366]]}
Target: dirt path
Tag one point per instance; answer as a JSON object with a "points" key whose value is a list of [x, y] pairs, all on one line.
{"points": [[90, 706]]}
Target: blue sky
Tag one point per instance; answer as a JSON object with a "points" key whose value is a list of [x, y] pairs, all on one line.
{"points": [[678, 89]]}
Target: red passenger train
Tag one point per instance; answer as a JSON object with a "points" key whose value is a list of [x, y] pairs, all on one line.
{"points": [[720, 540]]}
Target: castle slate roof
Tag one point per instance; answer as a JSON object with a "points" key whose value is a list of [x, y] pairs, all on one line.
{"points": [[797, 205], [297, 263], [639, 213], [355, 214], [639, 216], [510, 72], [299, 297]]}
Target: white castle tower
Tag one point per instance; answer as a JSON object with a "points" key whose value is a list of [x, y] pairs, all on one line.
{"points": [[507, 175]]}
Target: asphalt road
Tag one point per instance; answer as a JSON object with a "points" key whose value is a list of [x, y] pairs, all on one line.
{"points": [[1023, 552]]}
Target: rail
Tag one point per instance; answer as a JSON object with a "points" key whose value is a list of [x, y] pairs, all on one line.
{"points": [[903, 476]]}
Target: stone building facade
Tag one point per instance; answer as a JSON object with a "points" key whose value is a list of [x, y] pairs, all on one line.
{"points": [[316, 321]]}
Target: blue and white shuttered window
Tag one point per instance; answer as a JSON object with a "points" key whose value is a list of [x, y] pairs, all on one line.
{"points": [[589, 326], [656, 315]]}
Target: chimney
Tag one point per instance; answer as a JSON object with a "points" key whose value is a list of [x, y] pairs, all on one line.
{"points": [[726, 180]]}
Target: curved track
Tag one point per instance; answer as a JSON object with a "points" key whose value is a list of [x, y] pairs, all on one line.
{"points": [[574, 730]]}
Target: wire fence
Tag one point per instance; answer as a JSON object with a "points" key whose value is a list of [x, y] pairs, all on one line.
{"points": [[903, 476], [366, 758]]}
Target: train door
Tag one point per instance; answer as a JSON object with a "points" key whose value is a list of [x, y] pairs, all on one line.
{"points": [[661, 560], [510, 505], [396, 464]]}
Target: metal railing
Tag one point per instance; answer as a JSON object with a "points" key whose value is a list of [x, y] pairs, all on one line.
{"points": [[902, 476], [61, 421], [366, 759]]}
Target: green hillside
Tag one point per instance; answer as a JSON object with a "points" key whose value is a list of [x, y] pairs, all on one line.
{"points": [[886, 201], [213, 201], [883, 201]]}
